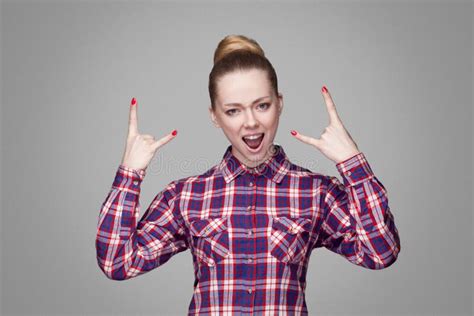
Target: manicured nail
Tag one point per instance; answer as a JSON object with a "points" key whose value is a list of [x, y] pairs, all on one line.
{"points": [[134, 101], [293, 133], [324, 89], [174, 132]]}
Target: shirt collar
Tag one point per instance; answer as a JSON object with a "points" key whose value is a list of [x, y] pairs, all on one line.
{"points": [[274, 168]]}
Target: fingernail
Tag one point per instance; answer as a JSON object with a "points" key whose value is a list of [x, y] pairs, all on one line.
{"points": [[134, 101], [174, 132], [324, 89], [293, 133]]}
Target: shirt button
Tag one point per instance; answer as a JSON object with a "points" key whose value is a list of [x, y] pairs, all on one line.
{"points": [[250, 232], [251, 184], [249, 260], [349, 173], [135, 182], [249, 208], [250, 291]]}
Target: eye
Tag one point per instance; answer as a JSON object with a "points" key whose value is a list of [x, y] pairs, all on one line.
{"points": [[230, 112], [265, 105]]}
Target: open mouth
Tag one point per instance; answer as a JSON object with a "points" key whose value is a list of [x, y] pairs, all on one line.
{"points": [[254, 141]]}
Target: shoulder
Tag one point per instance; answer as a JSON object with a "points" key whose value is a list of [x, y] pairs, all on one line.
{"points": [[321, 185], [195, 182], [297, 171]]}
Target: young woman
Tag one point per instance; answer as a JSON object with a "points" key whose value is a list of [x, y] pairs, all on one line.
{"points": [[251, 221]]}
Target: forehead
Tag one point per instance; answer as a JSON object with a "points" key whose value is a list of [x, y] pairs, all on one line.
{"points": [[243, 86]]}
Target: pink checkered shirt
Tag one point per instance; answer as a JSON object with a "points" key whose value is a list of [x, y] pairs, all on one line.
{"points": [[251, 232]]}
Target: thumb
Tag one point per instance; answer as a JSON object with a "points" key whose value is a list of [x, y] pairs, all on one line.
{"points": [[306, 139], [162, 141]]}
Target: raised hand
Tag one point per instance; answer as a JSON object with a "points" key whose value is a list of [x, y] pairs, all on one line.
{"points": [[335, 143], [140, 148]]}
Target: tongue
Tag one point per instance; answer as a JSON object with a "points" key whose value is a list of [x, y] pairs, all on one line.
{"points": [[253, 143]]}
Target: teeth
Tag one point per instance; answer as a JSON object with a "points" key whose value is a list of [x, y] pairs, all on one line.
{"points": [[253, 136]]}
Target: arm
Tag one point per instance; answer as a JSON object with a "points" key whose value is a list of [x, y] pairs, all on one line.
{"points": [[358, 223], [125, 249]]}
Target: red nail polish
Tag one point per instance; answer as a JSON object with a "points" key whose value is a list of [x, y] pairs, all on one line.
{"points": [[174, 132], [293, 133], [324, 89], [134, 101]]}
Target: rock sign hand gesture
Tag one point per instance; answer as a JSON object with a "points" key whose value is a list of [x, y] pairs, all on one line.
{"points": [[140, 148], [335, 143]]}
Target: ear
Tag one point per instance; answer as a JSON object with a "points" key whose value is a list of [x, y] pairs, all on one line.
{"points": [[280, 103], [213, 117]]}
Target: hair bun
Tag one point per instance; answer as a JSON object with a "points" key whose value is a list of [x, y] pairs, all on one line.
{"points": [[233, 42]]}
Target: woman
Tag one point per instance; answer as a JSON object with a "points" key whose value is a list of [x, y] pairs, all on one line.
{"points": [[252, 220]]}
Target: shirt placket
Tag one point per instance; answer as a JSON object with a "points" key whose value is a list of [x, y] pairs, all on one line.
{"points": [[251, 183]]}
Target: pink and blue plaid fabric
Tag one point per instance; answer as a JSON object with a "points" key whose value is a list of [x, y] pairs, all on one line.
{"points": [[250, 231]]}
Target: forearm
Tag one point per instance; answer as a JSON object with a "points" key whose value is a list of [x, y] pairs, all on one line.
{"points": [[361, 223]]}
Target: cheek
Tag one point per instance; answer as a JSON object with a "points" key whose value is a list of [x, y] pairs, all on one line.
{"points": [[230, 128], [271, 122]]}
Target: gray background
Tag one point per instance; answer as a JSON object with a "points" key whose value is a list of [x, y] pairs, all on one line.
{"points": [[401, 77]]}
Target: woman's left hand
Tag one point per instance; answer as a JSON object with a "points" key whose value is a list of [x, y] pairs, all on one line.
{"points": [[335, 143]]}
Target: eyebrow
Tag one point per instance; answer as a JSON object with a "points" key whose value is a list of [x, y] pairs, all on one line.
{"points": [[259, 99]]}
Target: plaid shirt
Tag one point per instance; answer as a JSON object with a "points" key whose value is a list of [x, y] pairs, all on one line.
{"points": [[250, 231]]}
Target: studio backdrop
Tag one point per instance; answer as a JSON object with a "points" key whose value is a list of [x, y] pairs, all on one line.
{"points": [[400, 74]]}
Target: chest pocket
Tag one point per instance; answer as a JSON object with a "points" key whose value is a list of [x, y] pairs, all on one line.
{"points": [[210, 239], [289, 238]]}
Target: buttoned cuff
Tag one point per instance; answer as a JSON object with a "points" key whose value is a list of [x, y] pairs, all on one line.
{"points": [[128, 179], [355, 170]]}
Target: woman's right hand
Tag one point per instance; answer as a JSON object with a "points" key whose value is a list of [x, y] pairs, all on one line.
{"points": [[140, 148]]}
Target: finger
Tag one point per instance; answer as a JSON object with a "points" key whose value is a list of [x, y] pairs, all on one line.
{"points": [[161, 142], [132, 119], [306, 139], [331, 107]]}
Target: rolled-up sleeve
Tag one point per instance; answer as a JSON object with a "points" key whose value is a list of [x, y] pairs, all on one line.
{"points": [[358, 223]]}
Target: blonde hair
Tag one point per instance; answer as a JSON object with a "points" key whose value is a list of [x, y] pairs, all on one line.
{"points": [[232, 43], [239, 52]]}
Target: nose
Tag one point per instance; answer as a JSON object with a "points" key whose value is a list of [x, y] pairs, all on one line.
{"points": [[250, 120]]}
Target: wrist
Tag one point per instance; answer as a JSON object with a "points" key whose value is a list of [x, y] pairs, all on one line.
{"points": [[347, 156]]}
